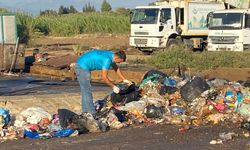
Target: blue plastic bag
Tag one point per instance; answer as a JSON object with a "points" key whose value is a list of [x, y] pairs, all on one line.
{"points": [[30, 134], [63, 133], [6, 117], [170, 82]]}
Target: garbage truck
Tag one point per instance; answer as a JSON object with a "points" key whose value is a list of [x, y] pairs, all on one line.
{"points": [[229, 30], [170, 24]]}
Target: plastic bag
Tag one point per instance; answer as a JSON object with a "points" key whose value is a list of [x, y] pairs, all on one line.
{"points": [[244, 110], [170, 82], [193, 89], [34, 115], [126, 95], [133, 106], [62, 133], [152, 111], [30, 134], [65, 117], [4, 117]]}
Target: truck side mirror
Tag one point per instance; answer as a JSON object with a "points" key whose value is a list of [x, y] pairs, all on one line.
{"points": [[177, 13], [247, 21], [209, 16], [131, 12]]}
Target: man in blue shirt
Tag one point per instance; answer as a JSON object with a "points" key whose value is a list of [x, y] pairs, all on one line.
{"points": [[97, 60]]}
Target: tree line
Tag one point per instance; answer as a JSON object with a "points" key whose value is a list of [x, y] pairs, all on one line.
{"points": [[105, 7]]}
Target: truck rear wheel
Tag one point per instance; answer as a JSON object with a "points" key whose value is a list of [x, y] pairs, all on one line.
{"points": [[188, 44], [147, 52]]}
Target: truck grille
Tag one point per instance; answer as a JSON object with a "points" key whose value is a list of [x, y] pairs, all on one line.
{"points": [[140, 41], [223, 39], [141, 33]]}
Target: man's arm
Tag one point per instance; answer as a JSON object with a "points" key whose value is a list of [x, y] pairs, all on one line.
{"points": [[118, 71], [106, 79]]}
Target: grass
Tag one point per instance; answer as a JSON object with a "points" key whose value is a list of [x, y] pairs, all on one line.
{"points": [[203, 60], [71, 24]]}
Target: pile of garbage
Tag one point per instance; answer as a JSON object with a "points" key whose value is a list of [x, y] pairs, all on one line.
{"points": [[186, 101], [158, 98]]}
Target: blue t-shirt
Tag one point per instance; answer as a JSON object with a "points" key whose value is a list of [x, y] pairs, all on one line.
{"points": [[96, 60]]}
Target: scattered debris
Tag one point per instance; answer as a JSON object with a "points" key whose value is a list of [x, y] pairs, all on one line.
{"points": [[158, 98]]}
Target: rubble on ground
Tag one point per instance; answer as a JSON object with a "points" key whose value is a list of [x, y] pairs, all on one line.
{"points": [[157, 99]]}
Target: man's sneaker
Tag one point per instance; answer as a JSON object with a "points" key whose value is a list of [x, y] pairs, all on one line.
{"points": [[92, 124], [86, 120], [103, 125]]}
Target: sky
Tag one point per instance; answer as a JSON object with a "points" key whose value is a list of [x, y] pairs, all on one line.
{"points": [[34, 6]]}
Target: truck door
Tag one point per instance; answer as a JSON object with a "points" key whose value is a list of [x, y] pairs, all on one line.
{"points": [[246, 32], [166, 20]]}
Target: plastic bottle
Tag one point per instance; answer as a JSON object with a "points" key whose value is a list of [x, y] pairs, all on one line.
{"points": [[175, 110], [103, 125], [228, 101], [239, 100], [133, 106]]}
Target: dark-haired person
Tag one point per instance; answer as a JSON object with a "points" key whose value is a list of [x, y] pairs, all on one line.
{"points": [[97, 60]]}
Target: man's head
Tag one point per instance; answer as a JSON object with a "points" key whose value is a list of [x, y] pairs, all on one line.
{"points": [[119, 57]]}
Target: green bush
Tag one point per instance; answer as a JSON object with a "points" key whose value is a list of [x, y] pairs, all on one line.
{"points": [[25, 27], [171, 58], [203, 60]]}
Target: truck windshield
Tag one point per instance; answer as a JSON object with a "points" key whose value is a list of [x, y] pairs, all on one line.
{"points": [[145, 16], [225, 21]]}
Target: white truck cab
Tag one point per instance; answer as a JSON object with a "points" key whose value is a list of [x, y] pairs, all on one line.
{"points": [[172, 23], [150, 24], [229, 30]]}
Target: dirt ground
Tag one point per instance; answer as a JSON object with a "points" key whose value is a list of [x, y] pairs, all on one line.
{"points": [[99, 41], [61, 46], [154, 137], [60, 51], [134, 137]]}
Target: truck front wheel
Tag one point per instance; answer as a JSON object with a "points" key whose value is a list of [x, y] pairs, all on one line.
{"points": [[173, 44]]}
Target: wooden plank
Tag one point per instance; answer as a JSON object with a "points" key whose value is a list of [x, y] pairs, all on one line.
{"points": [[1, 57], [8, 56]]}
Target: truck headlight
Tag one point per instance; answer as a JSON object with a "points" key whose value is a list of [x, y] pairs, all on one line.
{"points": [[236, 40]]}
